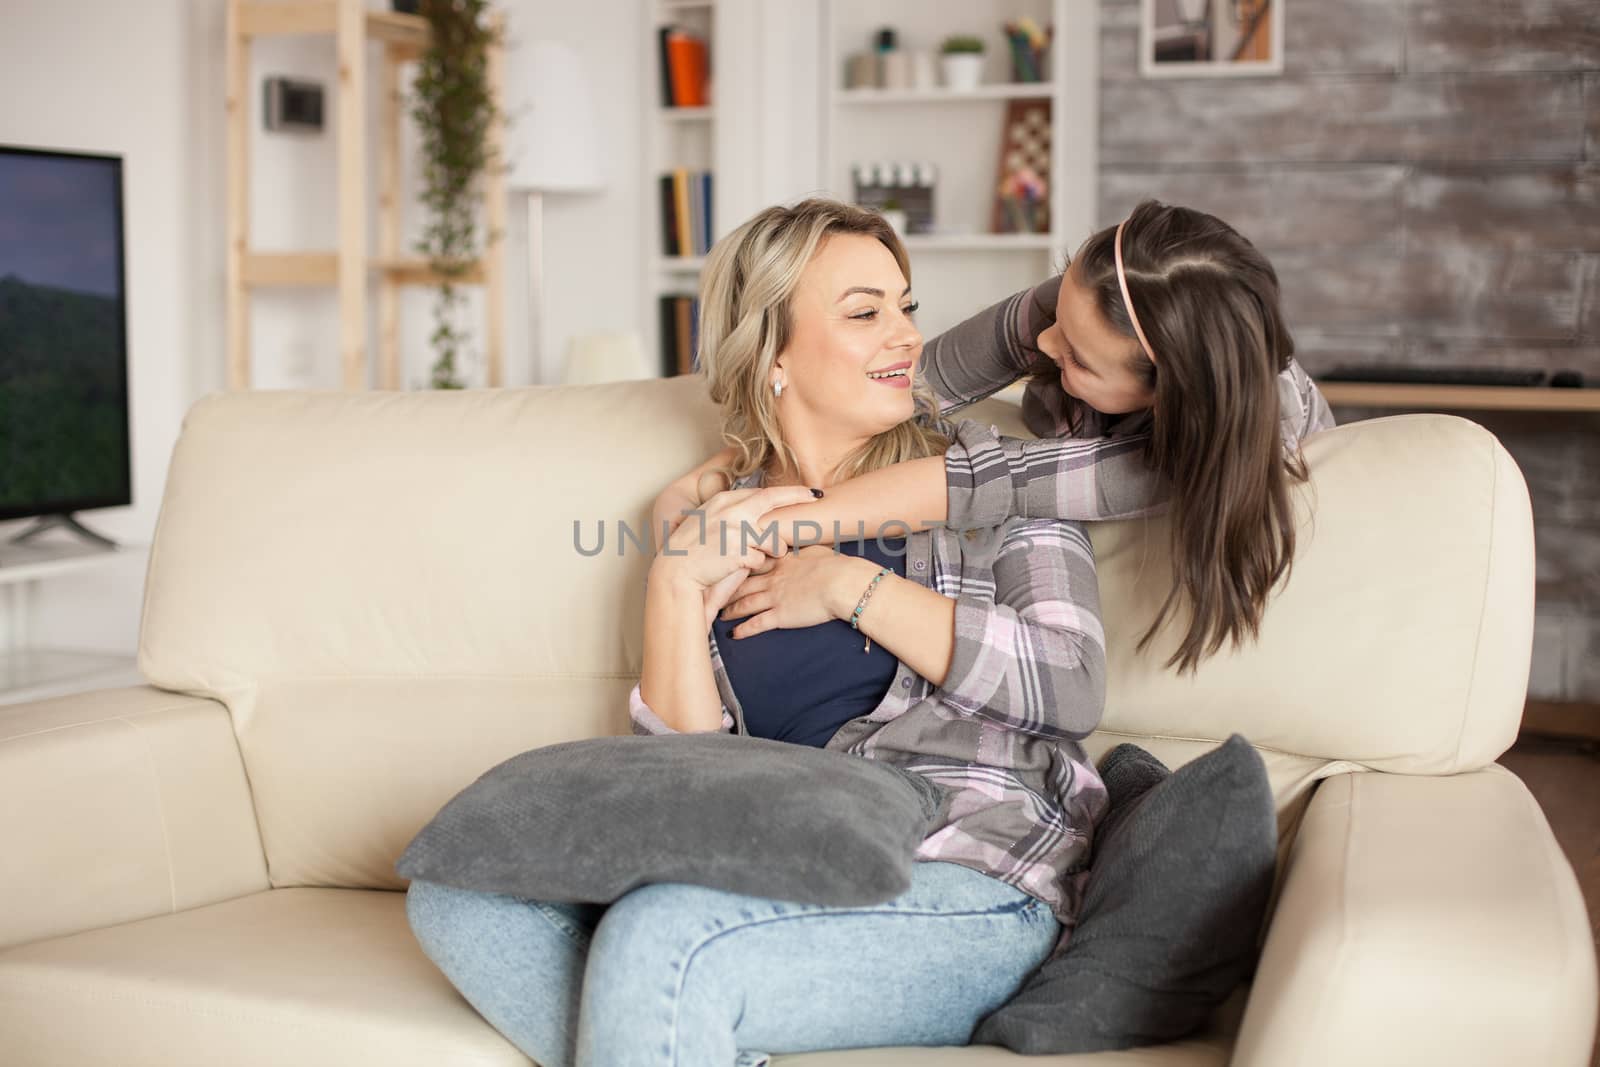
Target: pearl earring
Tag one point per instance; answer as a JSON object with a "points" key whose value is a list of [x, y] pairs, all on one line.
{"points": [[777, 388]]}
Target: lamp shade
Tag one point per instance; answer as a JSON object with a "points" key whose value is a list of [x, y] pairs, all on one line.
{"points": [[553, 142], [606, 357]]}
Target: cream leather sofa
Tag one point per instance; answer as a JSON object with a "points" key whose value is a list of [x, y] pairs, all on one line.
{"points": [[356, 603]]}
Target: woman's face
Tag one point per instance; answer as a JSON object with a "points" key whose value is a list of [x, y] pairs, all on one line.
{"points": [[851, 322], [1094, 359]]}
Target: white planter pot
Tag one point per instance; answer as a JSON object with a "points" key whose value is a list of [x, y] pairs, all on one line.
{"points": [[963, 71]]}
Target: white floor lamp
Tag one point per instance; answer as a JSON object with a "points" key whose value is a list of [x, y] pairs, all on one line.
{"points": [[553, 147]]}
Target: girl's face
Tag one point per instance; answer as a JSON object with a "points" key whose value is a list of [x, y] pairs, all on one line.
{"points": [[852, 322], [1094, 359]]}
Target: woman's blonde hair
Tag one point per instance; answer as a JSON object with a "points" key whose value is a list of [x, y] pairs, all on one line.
{"points": [[746, 319]]}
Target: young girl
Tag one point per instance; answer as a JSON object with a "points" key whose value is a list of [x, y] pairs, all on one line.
{"points": [[1160, 373]]}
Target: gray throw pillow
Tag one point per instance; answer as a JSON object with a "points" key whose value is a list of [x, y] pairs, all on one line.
{"points": [[1178, 888], [590, 820]]}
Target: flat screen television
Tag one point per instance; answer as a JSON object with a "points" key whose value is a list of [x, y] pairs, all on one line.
{"points": [[63, 337]]}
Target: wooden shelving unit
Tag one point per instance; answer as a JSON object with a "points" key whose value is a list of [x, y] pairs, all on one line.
{"points": [[404, 39], [1459, 397]]}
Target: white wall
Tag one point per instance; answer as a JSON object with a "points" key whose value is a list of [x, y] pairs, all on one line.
{"points": [[591, 242]]}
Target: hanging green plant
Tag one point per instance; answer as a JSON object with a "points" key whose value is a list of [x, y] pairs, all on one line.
{"points": [[455, 111]]}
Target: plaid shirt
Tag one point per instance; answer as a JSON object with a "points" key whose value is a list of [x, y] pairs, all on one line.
{"points": [[1027, 672]]}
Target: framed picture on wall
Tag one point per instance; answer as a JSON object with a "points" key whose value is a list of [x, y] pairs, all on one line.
{"points": [[1205, 38]]}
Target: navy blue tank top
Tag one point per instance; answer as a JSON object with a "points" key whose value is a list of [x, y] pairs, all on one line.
{"points": [[802, 685]]}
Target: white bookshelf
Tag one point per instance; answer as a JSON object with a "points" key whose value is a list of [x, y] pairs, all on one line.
{"points": [[686, 137], [962, 267], [781, 125]]}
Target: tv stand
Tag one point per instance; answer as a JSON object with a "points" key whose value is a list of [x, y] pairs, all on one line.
{"points": [[50, 522]]}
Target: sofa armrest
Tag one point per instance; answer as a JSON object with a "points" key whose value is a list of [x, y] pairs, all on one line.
{"points": [[1424, 920], [120, 804]]}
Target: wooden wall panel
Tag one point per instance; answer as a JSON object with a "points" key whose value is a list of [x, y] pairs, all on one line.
{"points": [[1589, 312], [1568, 568], [1480, 291], [1444, 117], [1548, 207], [1480, 352], [1483, 35], [1591, 109], [1583, 657], [1319, 349], [1274, 206], [1443, 292]]}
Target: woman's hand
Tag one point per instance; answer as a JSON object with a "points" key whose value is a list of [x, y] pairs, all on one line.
{"points": [[685, 493], [668, 513], [721, 593], [807, 587], [726, 536]]}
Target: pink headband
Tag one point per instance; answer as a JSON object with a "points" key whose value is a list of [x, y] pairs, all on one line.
{"points": [[1127, 301]]}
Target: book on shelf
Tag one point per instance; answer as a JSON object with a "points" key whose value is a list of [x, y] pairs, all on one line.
{"points": [[696, 206], [685, 64], [686, 223], [707, 231], [671, 236], [680, 334], [684, 356], [680, 207]]}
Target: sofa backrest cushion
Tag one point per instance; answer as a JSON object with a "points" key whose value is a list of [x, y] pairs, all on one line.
{"points": [[393, 592], [1403, 637]]}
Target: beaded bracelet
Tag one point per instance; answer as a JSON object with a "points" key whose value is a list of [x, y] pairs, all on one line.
{"points": [[861, 605]]}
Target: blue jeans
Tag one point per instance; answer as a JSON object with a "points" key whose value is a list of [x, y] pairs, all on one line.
{"points": [[675, 975]]}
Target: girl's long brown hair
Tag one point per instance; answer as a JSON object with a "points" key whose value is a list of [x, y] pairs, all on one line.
{"points": [[1208, 302]]}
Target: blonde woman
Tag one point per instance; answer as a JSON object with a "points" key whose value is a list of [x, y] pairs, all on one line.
{"points": [[976, 660]]}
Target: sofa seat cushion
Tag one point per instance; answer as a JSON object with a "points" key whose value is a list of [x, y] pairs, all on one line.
{"points": [[302, 976], [325, 977]]}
